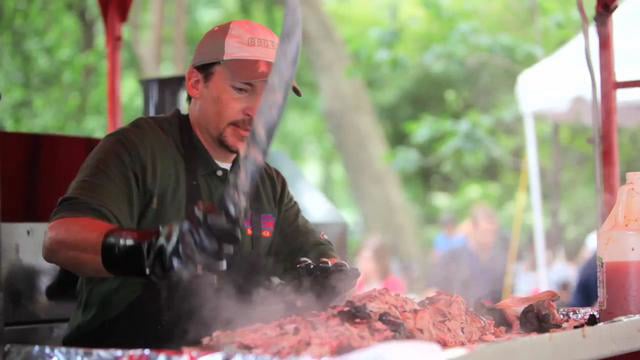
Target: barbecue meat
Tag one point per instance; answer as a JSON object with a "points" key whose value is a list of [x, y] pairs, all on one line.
{"points": [[364, 320], [513, 307], [541, 317], [447, 320], [536, 313]]}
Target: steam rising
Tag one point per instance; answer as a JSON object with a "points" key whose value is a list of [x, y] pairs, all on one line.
{"points": [[201, 304]]}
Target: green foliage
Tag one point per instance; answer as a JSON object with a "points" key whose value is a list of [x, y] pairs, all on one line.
{"points": [[441, 74], [46, 68]]}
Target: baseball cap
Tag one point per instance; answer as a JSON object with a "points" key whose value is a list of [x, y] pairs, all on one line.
{"points": [[246, 49]]}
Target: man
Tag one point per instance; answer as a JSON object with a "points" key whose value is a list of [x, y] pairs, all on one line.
{"points": [[150, 176], [476, 270]]}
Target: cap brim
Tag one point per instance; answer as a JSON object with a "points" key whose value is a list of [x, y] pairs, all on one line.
{"points": [[253, 70]]}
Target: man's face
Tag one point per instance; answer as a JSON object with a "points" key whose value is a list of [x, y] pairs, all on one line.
{"points": [[223, 110], [485, 232]]}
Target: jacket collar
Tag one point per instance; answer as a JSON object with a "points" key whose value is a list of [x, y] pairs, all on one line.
{"points": [[204, 162]]}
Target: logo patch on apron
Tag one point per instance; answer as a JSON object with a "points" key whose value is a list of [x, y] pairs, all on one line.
{"points": [[267, 225], [247, 226]]}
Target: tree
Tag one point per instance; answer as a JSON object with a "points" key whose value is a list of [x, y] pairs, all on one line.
{"points": [[180, 36], [439, 76], [148, 47], [359, 137]]}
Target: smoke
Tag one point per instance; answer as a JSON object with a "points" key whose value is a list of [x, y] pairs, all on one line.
{"points": [[198, 305]]}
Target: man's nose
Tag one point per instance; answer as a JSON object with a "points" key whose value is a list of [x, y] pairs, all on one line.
{"points": [[251, 108]]}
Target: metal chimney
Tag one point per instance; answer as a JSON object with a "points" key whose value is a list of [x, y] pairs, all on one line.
{"points": [[163, 95]]}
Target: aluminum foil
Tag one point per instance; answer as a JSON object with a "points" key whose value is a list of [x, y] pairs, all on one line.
{"points": [[390, 350], [38, 352], [579, 313], [41, 352]]}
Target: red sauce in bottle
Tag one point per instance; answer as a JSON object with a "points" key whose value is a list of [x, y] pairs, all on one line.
{"points": [[622, 283], [619, 256]]}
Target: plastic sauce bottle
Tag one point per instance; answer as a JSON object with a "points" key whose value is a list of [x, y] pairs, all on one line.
{"points": [[619, 254]]}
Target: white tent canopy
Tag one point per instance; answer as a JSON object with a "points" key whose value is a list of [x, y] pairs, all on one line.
{"points": [[558, 88]]}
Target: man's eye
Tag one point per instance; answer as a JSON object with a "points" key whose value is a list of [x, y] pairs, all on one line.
{"points": [[240, 90]]}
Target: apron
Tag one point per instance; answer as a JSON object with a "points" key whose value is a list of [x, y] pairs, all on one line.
{"points": [[189, 306]]}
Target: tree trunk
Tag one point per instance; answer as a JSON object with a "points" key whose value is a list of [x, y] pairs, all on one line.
{"points": [[157, 9], [359, 137], [180, 37], [87, 25], [148, 51]]}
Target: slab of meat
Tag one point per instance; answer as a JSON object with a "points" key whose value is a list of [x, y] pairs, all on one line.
{"points": [[541, 317], [514, 307], [536, 313], [364, 320]]}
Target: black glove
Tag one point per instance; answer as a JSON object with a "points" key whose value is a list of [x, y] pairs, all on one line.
{"points": [[191, 246], [327, 279]]}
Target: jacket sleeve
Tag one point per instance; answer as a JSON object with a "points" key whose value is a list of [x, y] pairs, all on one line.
{"points": [[295, 236]]}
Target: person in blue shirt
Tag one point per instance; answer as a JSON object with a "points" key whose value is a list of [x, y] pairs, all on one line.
{"points": [[448, 239], [475, 271]]}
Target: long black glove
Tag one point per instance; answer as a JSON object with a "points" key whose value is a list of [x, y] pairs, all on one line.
{"points": [[191, 246], [327, 280]]}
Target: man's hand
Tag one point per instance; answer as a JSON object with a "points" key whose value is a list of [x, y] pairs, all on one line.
{"points": [[191, 246], [328, 279]]}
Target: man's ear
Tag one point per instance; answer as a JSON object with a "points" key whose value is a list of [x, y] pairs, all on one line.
{"points": [[193, 83]]}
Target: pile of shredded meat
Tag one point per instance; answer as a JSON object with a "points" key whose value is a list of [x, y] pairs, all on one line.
{"points": [[364, 320]]}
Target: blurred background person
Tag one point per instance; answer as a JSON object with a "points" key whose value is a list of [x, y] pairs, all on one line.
{"points": [[448, 238], [586, 290], [562, 275], [565, 294], [588, 248], [476, 270], [374, 262], [525, 281]]}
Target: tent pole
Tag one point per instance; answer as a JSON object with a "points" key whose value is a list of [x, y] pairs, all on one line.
{"points": [[539, 241], [609, 135]]}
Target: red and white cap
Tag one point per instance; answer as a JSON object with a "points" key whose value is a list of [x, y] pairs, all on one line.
{"points": [[246, 48]]}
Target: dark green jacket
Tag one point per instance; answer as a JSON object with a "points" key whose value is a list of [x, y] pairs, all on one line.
{"points": [[135, 178]]}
